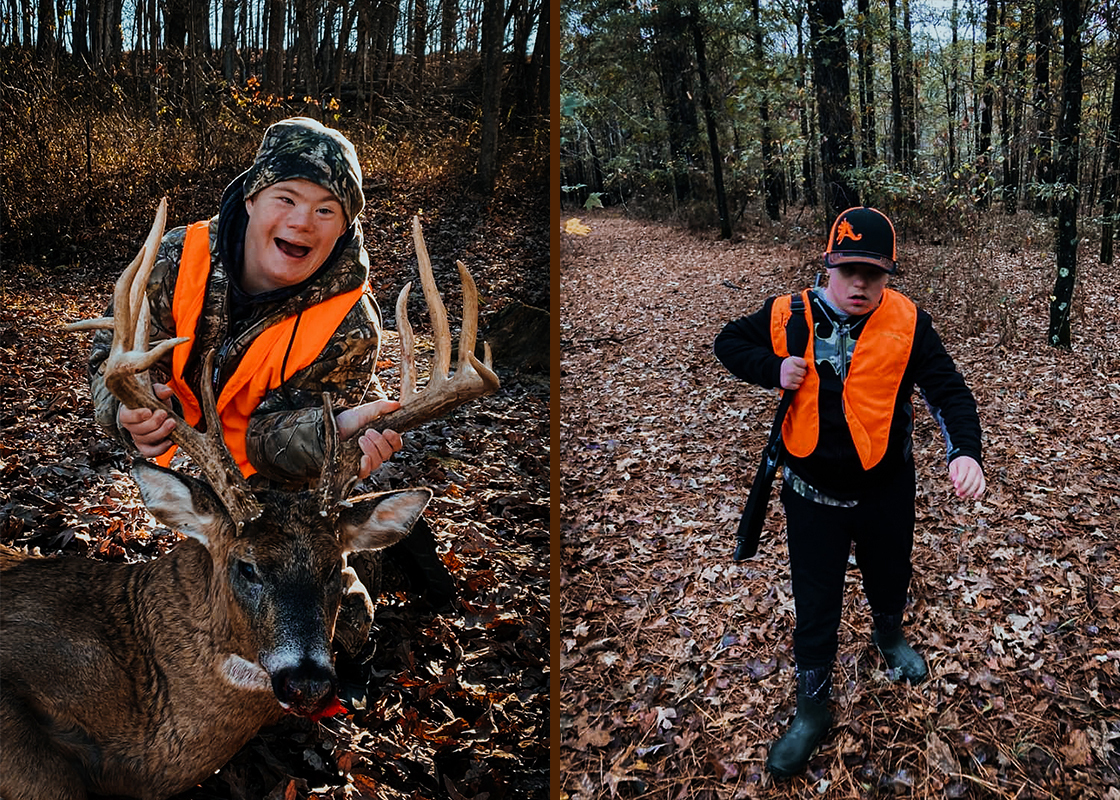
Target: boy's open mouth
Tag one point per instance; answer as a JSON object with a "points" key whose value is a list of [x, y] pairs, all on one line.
{"points": [[292, 250]]}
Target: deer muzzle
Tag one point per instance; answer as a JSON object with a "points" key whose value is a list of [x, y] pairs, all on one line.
{"points": [[308, 689]]}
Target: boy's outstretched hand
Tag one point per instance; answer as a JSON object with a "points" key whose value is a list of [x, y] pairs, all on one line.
{"points": [[967, 477]]}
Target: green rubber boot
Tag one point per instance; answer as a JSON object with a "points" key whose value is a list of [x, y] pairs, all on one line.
{"points": [[903, 661], [790, 754]]}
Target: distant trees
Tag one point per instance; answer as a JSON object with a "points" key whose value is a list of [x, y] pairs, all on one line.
{"points": [[968, 111], [484, 54]]}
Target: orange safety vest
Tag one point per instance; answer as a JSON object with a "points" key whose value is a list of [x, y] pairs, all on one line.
{"points": [[871, 387], [262, 368]]}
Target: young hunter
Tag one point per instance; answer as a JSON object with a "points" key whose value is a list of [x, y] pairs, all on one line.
{"points": [[277, 285], [849, 466]]}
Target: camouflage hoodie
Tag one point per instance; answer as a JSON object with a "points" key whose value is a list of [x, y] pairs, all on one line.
{"points": [[285, 436]]}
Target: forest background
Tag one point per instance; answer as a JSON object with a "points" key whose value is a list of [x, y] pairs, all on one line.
{"points": [[723, 138], [108, 105]]}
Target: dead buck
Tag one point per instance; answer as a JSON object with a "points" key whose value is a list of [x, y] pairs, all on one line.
{"points": [[142, 679]]}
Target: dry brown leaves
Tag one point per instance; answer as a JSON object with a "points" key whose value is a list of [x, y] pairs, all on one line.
{"points": [[676, 663]]}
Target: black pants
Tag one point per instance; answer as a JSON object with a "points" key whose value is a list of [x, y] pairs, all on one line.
{"points": [[820, 538]]}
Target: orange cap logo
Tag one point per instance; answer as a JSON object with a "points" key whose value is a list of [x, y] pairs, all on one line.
{"points": [[844, 231]]}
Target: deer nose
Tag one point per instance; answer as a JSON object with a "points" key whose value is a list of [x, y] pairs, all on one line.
{"points": [[305, 687]]}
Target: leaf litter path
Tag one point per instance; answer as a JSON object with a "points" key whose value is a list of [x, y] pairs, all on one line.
{"points": [[676, 663]]}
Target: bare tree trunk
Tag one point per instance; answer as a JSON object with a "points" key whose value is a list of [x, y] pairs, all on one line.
{"points": [[675, 68], [710, 118], [448, 19], [274, 52], [772, 175], [79, 26], [47, 39], [153, 61], [419, 41], [307, 16], [25, 15], [952, 92], [897, 121], [348, 13], [1069, 136], [833, 89], [1044, 163], [492, 37], [1111, 163], [805, 118], [909, 95], [229, 39], [541, 58], [865, 51], [984, 145]]}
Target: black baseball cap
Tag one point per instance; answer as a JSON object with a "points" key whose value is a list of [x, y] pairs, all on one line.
{"points": [[862, 235]]}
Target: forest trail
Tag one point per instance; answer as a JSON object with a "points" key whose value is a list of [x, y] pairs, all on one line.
{"points": [[676, 663]]}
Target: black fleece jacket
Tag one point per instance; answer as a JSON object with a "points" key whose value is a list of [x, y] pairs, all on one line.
{"points": [[744, 347]]}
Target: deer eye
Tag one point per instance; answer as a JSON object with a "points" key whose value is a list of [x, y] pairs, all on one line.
{"points": [[248, 571]]}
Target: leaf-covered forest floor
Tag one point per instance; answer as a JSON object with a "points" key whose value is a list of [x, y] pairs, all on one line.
{"points": [[676, 663], [458, 700]]}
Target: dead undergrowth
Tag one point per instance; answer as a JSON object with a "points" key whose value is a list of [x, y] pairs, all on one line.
{"points": [[676, 663]]}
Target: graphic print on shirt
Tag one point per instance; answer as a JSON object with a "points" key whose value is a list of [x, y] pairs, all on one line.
{"points": [[833, 345]]}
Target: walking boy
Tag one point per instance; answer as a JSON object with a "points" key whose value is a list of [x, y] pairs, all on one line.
{"points": [[849, 467]]}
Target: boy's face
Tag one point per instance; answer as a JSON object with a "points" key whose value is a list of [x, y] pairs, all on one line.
{"points": [[856, 288], [293, 226]]}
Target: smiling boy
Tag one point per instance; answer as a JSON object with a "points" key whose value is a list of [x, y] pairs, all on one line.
{"points": [[849, 468], [286, 245], [277, 286]]}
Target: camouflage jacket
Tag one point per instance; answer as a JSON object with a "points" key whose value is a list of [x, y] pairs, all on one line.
{"points": [[285, 436]]}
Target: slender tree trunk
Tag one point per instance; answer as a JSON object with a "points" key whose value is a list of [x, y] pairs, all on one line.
{"points": [[1069, 135], [229, 41], [307, 18], [984, 146], [542, 56], [772, 174], [952, 91], [419, 41], [1044, 159], [80, 29], [274, 54], [909, 95], [865, 50], [153, 61], [806, 121], [833, 85], [341, 54], [492, 40], [47, 40], [449, 16], [897, 121], [710, 118], [675, 68], [1111, 163]]}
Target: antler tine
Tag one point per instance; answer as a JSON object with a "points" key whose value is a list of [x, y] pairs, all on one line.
{"points": [[444, 392], [126, 376]]}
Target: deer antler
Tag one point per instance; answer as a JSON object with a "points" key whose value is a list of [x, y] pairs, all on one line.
{"points": [[126, 375], [444, 392]]}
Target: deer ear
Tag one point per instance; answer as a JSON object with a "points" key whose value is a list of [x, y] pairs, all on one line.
{"points": [[376, 521], [180, 502]]}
